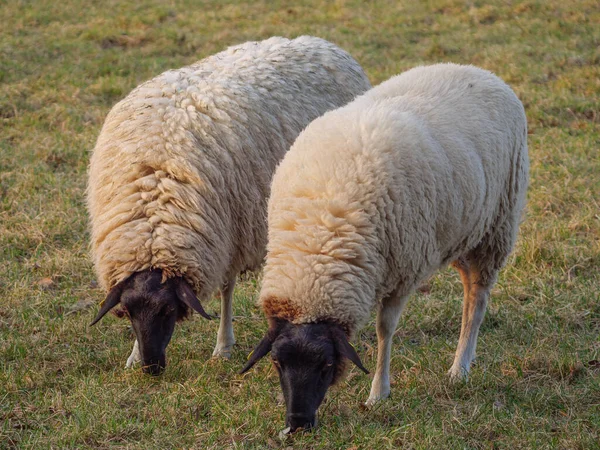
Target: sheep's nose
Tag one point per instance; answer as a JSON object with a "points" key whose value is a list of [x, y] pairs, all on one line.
{"points": [[154, 366], [300, 422]]}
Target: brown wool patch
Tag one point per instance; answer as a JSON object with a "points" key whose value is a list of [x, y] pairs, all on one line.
{"points": [[281, 308]]}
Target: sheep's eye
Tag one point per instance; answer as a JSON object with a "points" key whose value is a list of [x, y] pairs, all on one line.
{"points": [[121, 312], [326, 370], [167, 310]]}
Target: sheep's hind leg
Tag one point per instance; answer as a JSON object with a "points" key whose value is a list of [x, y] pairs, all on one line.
{"points": [[135, 356], [388, 315], [225, 337], [477, 288]]}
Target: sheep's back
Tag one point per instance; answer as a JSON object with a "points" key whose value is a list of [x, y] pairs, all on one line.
{"points": [[468, 140]]}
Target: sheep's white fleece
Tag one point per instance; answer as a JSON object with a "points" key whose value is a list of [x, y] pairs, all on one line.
{"points": [[373, 197], [181, 171]]}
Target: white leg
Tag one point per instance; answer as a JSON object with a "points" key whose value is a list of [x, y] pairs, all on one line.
{"points": [[475, 302], [134, 357], [225, 337], [387, 320]]}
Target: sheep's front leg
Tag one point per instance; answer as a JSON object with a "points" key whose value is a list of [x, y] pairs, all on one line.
{"points": [[225, 337], [388, 315], [135, 356]]}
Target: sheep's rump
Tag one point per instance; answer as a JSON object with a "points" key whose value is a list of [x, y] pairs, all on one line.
{"points": [[377, 195], [180, 174]]}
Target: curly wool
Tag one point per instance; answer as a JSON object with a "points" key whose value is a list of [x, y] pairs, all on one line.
{"points": [[180, 174], [373, 197]]}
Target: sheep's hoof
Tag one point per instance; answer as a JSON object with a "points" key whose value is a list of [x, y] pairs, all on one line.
{"points": [[371, 402], [376, 398], [458, 375], [224, 352], [131, 362]]}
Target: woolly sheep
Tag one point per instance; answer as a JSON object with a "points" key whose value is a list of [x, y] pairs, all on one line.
{"points": [[180, 174], [427, 169]]}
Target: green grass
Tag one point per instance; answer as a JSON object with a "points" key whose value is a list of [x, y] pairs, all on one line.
{"points": [[536, 383]]}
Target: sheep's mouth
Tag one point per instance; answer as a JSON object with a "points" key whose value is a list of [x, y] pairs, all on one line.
{"points": [[295, 425], [295, 429], [154, 367]]}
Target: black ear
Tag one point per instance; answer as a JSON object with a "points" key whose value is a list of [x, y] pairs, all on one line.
{"points": [[112, 299], [346, 350], [185, 293], [263, 347]]}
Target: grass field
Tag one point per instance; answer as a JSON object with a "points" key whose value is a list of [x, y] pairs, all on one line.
{"points": [[536, 383]]}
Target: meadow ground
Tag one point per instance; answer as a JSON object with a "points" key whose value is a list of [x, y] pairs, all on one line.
{"points": [[536, 383]]}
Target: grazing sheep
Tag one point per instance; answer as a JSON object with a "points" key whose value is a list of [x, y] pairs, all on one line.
{"points": [[181, 171], [427, 169]]}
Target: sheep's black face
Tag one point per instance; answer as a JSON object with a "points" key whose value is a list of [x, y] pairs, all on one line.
{"points": [[309, 358], [307, 363], [153, 308]]}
